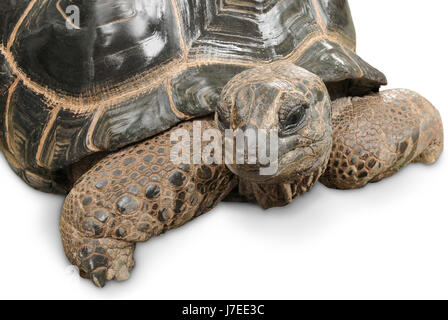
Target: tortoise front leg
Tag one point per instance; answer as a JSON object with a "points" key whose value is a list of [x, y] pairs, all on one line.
{"points": [[377, 135], [131, 196]]}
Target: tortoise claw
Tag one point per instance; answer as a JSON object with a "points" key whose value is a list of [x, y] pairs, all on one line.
{"points": [[118, 270], [102, 260], [99, 277]]}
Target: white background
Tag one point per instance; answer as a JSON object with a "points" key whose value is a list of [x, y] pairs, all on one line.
{"points": [[388, 240]]}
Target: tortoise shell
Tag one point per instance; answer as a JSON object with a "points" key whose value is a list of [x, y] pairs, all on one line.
{"points": [[134, 68]]}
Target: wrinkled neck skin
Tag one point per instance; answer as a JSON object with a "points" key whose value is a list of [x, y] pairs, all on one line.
{"points": [[281, 194]]}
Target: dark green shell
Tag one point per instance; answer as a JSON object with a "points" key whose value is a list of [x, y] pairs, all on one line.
{"points": [[136, 68]]}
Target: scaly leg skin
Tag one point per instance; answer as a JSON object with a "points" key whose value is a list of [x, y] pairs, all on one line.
{"points": [[377, 135], [131, 196]]}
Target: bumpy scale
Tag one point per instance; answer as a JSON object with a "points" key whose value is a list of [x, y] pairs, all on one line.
{"points": [[131, 196], [377, 135]]}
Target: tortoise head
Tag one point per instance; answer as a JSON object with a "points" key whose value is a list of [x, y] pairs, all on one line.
{"points": [[288, 105]]}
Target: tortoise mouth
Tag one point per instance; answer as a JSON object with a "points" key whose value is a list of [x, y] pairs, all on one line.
{"points": [[301, 161]]}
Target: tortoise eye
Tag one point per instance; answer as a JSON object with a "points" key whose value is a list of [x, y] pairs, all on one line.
{"points": [[293, 120]]}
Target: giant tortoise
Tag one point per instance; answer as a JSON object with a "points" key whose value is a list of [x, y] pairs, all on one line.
{"points": [[92, 92]]}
